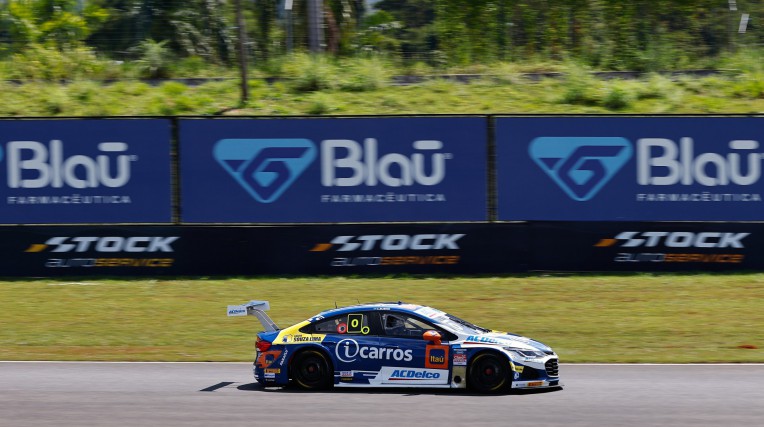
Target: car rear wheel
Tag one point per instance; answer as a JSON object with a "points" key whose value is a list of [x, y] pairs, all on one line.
{"points": [[488, 373], [311, 370]]}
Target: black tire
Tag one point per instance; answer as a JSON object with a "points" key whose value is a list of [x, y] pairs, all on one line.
{"points": [[312, 371], [489, 373]]}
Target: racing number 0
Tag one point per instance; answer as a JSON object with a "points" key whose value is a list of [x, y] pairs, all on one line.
{"points": [[355, 324]]}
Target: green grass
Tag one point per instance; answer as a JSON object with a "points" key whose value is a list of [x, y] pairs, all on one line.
{"points": [[590, 318], [363, 87]]}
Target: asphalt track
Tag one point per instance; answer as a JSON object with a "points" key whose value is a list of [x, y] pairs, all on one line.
{"points": [[223, 394]]}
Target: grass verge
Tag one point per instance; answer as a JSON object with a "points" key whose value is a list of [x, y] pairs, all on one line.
{"points": [[591, 318]]}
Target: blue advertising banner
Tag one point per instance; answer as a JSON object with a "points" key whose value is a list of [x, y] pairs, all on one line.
{"points": [[85, 171], [333, 170], [630, 168]]}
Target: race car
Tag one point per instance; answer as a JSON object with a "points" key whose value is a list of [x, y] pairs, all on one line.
{"points": [[396, 345]]}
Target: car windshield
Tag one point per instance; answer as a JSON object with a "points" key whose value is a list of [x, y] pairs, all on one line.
{"points": [[451, 322]]}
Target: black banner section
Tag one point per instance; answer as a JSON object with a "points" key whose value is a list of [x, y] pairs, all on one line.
{"points": [[479, 248], [298, 250], [640, 246]]}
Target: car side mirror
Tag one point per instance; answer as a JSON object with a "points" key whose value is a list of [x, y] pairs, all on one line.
{"points": [[432, 336]]}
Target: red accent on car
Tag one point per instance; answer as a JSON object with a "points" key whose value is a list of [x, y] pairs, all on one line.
{"points": [[262, 345]]}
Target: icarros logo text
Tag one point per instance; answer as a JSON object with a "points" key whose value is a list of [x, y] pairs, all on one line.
{"points": [[267, 168], [677, 247], [348, 350], [582, 166]]}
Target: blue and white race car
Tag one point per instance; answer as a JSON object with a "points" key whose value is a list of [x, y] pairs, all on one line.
{"points": [[396, 345]]}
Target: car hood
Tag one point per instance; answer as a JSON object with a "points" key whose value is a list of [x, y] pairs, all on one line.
{"points": [[502, 339]]}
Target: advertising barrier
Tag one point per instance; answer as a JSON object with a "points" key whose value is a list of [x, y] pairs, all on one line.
{"points": [[383, 249], [303, 170], [632, 246], [230, 250], [85, 171], [630, 168]]}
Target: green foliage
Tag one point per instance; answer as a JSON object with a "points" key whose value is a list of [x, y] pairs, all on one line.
{"points": [[38, 62], [581, 88], [616, 98], [364, 75], [154, 59], [311, 73]]}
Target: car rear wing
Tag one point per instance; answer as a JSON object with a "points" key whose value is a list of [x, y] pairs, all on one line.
{"points": [[254, 308]]}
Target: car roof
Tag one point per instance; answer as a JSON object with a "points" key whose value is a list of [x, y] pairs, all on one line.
{"points": [[394, 306]]}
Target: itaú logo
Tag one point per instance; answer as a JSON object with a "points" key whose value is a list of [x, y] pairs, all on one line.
{"points": [[31, 164], [348, 350], [678, 239]]}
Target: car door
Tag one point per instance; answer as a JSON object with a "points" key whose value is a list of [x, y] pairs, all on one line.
{"points": [[422, 362], [353, 344]]}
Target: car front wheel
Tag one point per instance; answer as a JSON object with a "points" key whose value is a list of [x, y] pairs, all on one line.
{"points": [[488, 373], [311, 371]]}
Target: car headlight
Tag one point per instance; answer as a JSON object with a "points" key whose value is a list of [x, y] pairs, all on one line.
{"points": [[526, 354]]}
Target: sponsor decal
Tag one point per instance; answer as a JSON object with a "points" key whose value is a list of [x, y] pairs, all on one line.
{"points": [[273, 371], [237, 310], [365, 167], [662, 161], [265, 168], [580, 166], [436, 357], [292, 339], [283, 357], [32, 164], [679, 239], [106, 245], [392, 243], [412, 374], [141, 244], [348, 350], [395, 242], [346, 375], [266, 358], [477, 339], [393, 375], [667, 240], [460, 357]]}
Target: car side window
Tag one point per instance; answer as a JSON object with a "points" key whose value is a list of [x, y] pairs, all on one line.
{"points": [[352, 324], [401, 325]]}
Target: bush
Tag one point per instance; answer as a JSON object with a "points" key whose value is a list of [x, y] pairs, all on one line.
{"points": [[580, 88], [616, 99], [39, 62], [310, 73], [364, 75], [154, 60]]}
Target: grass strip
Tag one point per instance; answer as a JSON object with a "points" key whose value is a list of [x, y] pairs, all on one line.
{"points": [[661, 318]]}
